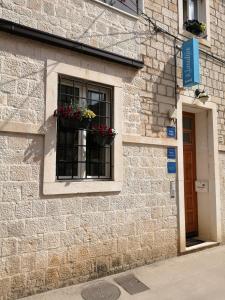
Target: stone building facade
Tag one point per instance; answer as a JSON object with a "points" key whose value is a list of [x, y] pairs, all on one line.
{"points": [[53, 234]]}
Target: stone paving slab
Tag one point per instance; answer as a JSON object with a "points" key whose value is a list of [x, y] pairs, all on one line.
{"points": [[196, 276]]}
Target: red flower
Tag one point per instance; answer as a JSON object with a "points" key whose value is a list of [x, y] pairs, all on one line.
{"points": [[102, 130]]}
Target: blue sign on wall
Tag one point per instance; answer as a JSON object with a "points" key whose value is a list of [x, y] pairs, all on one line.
{"points": [[190, 55], [171, 131], [171, 153], [172, 167]]}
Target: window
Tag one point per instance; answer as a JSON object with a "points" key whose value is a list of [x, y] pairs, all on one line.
{"points": [[194, 18], [73, 164], [194, 10], [78, 157], [129, 6]]}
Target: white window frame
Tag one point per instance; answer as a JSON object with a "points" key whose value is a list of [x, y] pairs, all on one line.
{"points": [[203, 16], [50, 185]]}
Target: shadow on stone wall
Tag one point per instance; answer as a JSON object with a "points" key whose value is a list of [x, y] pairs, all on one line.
{"points": [[158, 95]]}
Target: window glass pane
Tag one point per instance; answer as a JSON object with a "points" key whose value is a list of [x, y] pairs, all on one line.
{"points": [[68, 93], [105, 121], [75, 169], [67, 153], [187, 138], [97, 101], [94, 106], [129, 6], [185, 10], [95, 96], [98, 158], [96, 121], [64, 170], [187, 123], [193, 10], [102, 109]]}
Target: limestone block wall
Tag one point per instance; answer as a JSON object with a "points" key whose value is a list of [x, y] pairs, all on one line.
{"points": [[217, 23], [86, 21], [50, 242], [22, 86], [22, 89], [212, 80], [100, 26], [158, 93]]}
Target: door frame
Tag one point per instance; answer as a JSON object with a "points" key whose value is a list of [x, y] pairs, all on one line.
{"points": [[194, 105]]}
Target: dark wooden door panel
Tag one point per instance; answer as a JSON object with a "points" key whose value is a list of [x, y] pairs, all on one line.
{"points": [[190, 196]]}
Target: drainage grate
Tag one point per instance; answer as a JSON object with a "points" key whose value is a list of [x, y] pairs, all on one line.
{"points": [[131, 284], [101, 291]]}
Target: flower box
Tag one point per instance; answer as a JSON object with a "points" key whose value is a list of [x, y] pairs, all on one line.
{"points": [[103, 140], [195, 27], [103, 135], [74, 124], [74, 118]]}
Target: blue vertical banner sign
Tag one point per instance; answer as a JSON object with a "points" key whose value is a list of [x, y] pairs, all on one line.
{"points": [[190, 58]]}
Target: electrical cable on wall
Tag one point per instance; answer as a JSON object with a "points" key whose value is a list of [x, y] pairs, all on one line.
{"points": [[159, 29]]}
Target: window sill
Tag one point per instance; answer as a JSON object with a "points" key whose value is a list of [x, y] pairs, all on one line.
{"points": [[204, 42], [118, 10], [71, 187]]}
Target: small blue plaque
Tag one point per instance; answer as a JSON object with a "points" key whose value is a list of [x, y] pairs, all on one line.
{"points": [[171, 152], [172, 167], [171, 131]]}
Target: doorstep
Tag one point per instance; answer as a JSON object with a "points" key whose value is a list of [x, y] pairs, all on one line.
{"points": [[199, 247]]}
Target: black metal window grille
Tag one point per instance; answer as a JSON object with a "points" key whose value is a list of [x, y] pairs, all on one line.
{"points": [[77, 156], [129, 6]]}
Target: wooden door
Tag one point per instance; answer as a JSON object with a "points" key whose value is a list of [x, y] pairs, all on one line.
{"points": [[191, 210]]}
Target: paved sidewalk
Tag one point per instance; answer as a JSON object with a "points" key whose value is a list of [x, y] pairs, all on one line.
{"points": [[195, 276]]}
